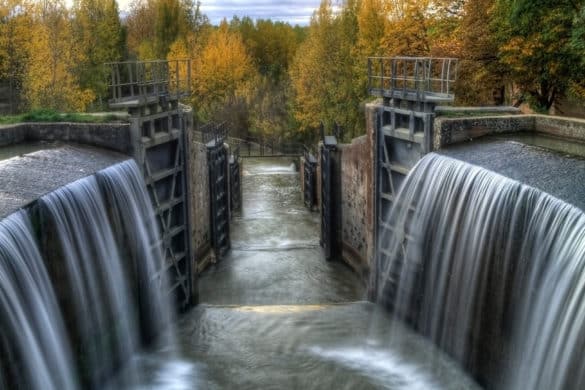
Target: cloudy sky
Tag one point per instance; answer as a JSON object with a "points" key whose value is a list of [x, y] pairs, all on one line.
{"points": [[292, 11]]}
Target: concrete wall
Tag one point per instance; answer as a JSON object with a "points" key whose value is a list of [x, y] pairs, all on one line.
{"points": [[560, 127], [448, 131], [113, 136]]}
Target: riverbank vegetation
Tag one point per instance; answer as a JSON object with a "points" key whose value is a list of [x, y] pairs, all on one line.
{"points": [[272, 79]]}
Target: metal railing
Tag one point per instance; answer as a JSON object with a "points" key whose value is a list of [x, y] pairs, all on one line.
{"points": [[414, 78], [139, 82], [213, 132], [257, 147]]}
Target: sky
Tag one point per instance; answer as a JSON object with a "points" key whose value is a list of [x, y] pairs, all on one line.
{"points": [[292, 11]]}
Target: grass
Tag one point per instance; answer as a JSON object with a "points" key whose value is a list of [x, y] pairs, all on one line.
{"points": [[45, 115], [464, 114]]}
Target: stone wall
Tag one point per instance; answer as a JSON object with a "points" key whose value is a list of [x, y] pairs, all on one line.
{"points": [[357, 204], [199, 199], [356, 212]]}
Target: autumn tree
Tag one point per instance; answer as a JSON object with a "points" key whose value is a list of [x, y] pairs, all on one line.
{"points": [[15, 35], [323, 75], [408, 27], [536, 43], [577, 87], [482, 77], [99, 36], [51, 80], [222, 77], [155, 25]]}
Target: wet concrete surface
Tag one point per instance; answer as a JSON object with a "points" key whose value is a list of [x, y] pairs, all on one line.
{"points": [[552, 165], [28, 176], [275, 315]]}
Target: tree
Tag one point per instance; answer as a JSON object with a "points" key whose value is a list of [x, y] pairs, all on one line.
{"points": [[15, 35], [536, 44], [222, 79], [154, 25], [325, 74], [101, 39], [50, 80], [482, 77]]}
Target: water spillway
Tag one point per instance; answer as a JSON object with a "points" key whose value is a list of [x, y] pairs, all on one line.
{"points": [[489, 269], [79, 287], [33, 331]]}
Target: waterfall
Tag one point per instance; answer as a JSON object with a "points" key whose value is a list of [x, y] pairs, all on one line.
{"points": [[101, 296], [489, 269], [30, 319]]}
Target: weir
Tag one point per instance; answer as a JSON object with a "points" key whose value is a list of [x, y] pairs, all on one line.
{"points": [[489, 269], [66, 289], [476, 268]]}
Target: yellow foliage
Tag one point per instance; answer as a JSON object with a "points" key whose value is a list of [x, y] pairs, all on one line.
{"points": [[222, 72], [50, 80]]}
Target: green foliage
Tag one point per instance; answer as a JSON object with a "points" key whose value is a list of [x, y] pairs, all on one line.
{"points": [[48, 115], [538, 44], [100, 37]]}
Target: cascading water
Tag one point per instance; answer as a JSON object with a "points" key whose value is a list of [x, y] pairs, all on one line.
{"points": [[30, 320], [137, 231], [101, 245], [491, 270]]}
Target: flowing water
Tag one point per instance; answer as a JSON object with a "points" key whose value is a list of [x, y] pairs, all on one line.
{"points": [[33, 338], [276, 315], [103, 273], [488, 269], [491, 270]]}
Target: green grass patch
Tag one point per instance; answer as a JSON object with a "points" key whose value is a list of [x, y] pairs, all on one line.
{"points": [[466, 114], [44, 115]]}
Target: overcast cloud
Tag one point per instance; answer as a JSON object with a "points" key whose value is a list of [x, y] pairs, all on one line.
{"points": [[294, 12]]}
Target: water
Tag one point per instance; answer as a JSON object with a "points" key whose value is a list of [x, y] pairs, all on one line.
{"points": [[276, 315], [35, 348], [10, 151], [491, 270], [100, 242]]}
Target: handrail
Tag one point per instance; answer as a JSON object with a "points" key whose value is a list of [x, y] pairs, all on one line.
{"points": [[140, 82], [413, 78]]}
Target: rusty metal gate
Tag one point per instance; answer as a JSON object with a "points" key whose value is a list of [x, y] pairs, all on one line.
{"points": [[217, 159], [235, 185], [328, 241], [309, 175]]}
